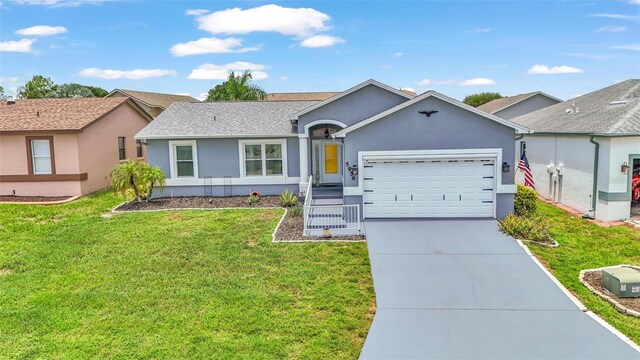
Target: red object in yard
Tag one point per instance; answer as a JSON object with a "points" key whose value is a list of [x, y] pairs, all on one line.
{"points": [[635, 187], [255, 193]]}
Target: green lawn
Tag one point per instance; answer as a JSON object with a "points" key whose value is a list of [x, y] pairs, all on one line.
{"points": [[182, 284], [586, 246]]}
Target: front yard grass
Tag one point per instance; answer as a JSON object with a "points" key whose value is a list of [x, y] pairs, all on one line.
{"points": [[175, 284], [584, 245]]}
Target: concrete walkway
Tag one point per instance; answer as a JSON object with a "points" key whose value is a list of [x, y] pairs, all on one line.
{"points": [[460, 289]]}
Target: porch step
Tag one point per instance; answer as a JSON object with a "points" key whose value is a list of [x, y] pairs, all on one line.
{"points": [[326, 202]]}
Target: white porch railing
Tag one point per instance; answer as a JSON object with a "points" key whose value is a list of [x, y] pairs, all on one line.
{"points": [[337, 218]]}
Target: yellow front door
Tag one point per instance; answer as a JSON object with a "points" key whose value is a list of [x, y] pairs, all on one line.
{"points": [[330, 158]]}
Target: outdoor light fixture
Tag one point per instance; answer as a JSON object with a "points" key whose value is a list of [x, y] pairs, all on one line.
{"points": [[326, 133], [624, 168], [505, 167]]}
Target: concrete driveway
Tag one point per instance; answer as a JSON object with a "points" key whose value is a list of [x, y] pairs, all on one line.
{"points": [[460, 289]]}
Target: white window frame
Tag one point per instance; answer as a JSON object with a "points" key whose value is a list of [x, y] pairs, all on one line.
{"points": [[262, 143], [173, 157], [34, 156]]}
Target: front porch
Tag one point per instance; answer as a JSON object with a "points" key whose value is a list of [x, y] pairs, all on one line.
{"points": [[324, 210]]}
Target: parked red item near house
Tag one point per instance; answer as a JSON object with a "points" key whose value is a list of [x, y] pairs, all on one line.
{"points": [[635, 187]]}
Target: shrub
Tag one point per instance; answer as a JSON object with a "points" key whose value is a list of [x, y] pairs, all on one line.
{"points": [[296, 211], [253, 199], [534, 228], [136, 179], [525, 201], [288, 198]]}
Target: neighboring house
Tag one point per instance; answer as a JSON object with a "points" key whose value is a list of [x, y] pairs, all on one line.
{"points": [[383, 151], [512, 106], [66, 147], [583, 151], [153, 103], [300, 96]]}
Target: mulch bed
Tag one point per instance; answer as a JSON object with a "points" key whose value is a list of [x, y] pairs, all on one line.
{"points": [[11, 198], [594, 278], [200, 202], [292, 226]]}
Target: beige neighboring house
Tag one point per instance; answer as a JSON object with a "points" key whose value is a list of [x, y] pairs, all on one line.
{"points": [[152, 103], [510, 107], [66, 147]]}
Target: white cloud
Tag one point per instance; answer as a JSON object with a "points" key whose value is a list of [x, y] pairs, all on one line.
{"points": [[545, 70], [398, 54], [9, 80], [300, 22], [424, 82], [284, 78], [221, 72], [136, 74], [210, 45], [635, 47], [42, 30], [197, 12], [202, 96], [21, 46], [321, 41], [615, 16], [479, 30], [635, 2], [477, 81], [408, 89], [611, 28]]}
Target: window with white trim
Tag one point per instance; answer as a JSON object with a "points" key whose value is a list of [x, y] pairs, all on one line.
{"points": [[184, 159], [41, 156], [263, 158]]}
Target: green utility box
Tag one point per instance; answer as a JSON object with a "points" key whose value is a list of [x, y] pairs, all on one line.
{"points": [[623, 282]]}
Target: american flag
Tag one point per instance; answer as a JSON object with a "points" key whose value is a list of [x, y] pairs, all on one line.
{"points": [[526, 170]]}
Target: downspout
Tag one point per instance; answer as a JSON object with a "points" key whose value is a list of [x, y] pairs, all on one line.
{"points": [[594, 195], [519, 137]]}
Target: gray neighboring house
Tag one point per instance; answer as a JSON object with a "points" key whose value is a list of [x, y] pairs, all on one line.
{"points": [[512, 106], [372, 147], [584, 152]]}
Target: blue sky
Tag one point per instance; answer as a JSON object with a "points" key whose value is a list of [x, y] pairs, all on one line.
{"points": [[564, 48]]}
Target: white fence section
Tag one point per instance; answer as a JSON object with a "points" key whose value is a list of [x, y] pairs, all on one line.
{"points": [[307, 203], [338, 219]]}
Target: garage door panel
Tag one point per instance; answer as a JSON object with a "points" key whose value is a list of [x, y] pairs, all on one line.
{"points": [[442, 188]]}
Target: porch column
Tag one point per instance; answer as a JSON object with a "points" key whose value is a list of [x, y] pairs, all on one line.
{"points": [[304, 163]]}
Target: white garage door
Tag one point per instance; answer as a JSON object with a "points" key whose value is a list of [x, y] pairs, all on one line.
{"points": [[429, 188]]}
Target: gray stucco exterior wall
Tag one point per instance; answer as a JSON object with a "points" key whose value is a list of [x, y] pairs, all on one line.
{"points": [[533, 103], [451, 128], [359, 105]]}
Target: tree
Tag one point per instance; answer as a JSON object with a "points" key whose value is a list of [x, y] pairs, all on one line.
{"points": [[237, 87], [476, 100], [97, 91], [2, 95], [37, 88], [138, 178], [71, 90]]}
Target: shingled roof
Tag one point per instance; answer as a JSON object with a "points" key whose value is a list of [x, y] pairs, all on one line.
{"points": [[225, 119], [57, 114], [300, 96], [496, 105], [154, 99], [614, 110]]}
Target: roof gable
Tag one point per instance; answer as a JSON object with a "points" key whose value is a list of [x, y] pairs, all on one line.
{"points": [[498, 105], [59, 114], [431, 93], [349, 91], [153, 99]]}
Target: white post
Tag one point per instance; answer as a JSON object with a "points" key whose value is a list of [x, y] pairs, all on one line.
{"points": [[304, 163]]}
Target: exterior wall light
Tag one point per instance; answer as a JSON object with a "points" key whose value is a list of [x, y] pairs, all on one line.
{"points": [[624, 168], [505, 167]]}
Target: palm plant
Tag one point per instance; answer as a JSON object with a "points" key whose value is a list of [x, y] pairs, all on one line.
{"points": [[236, 88], [153, 176], [128, 177], [71, 90]]}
